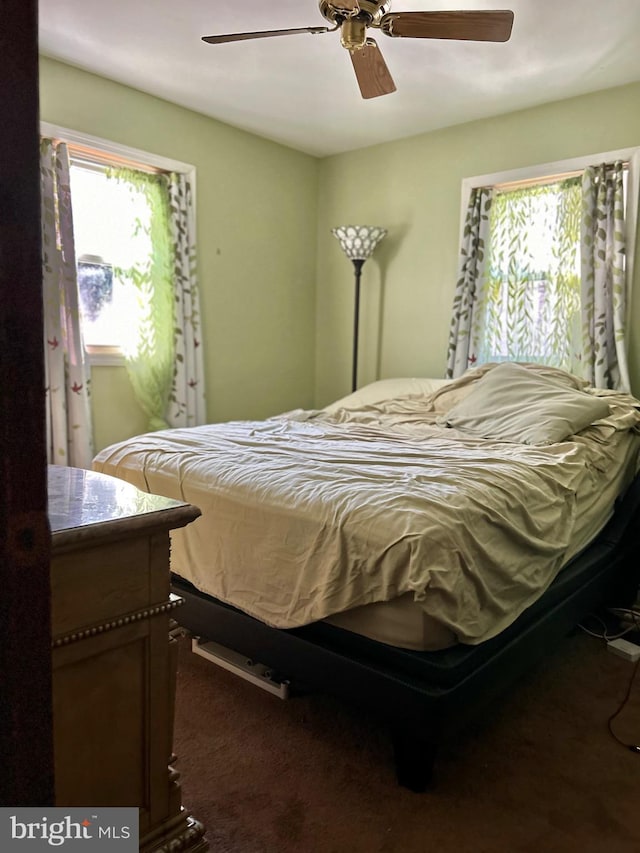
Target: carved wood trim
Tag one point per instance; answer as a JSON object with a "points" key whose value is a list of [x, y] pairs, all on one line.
{"points": [[127, 619], [183, 833]]}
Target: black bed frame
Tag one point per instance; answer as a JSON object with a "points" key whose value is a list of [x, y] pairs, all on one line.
{"points": [[426, 697]]}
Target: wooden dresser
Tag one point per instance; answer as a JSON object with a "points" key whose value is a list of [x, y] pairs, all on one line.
{"points": [[114, 663]]}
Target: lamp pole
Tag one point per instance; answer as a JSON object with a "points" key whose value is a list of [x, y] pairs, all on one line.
{"points": [[358, 243], [357, 265]]}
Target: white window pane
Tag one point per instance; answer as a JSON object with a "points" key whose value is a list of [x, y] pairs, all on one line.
{"points": [[111, 224]]}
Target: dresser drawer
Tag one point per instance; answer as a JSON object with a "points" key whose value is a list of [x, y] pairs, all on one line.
{"points": [[97, 584]]}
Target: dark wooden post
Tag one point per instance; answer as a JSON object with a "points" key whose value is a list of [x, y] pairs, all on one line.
{"points": [[26, 775]]}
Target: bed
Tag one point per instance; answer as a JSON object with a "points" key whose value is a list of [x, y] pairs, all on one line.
{"points": [[414, 547]]}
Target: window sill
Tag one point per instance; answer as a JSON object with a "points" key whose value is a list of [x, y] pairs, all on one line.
{"points": [[105, 356]]}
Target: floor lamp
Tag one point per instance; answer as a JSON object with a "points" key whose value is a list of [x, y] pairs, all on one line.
{"points": [[358, 243]]}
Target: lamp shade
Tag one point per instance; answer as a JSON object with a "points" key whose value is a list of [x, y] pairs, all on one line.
{"points": [[358, 241]]}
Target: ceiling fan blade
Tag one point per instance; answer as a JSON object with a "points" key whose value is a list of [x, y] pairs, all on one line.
{"points": [[371, 71], [465, 26], [263, 35]]}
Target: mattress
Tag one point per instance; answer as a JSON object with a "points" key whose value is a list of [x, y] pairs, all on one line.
{"points": [[399, 622], [402, 623], [313, 514]]}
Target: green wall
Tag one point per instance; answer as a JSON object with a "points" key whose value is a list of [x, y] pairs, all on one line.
{"points": [[257, 228], [277, 291], [413, 188]]}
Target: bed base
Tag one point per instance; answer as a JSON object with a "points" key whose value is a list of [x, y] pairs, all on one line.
{"points": [[256, 673], [426, 697]]}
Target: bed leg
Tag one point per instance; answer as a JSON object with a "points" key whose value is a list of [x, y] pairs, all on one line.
{"points": [[414, 759]]}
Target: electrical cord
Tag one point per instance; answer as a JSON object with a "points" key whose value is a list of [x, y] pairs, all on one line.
{"points": [[630, 746], [626, 611], [606, 636]]}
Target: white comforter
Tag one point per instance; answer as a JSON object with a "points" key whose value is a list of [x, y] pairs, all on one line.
{"points": [[311, 513]]}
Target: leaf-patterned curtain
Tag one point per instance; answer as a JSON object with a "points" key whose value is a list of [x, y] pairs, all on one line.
{"points": [[464, 332], [150, 354], [67, 374], [531, 295], [187, 397], [604, 307]]}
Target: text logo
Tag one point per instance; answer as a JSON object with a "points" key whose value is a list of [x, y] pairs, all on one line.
{"points": [[37, 829]]}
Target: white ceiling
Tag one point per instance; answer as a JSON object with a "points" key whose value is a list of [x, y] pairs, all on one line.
{"points": [[300, 90]]}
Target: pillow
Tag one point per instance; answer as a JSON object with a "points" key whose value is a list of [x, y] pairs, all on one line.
{"points": [[511, 403], [386, 389]]}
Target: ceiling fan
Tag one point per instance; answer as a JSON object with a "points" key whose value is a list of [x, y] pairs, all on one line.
{"points": [[354, 17]]}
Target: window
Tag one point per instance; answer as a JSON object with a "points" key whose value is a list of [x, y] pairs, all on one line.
{"points": [[531, 294], [127, 253], [112, 226], [532, 246]]}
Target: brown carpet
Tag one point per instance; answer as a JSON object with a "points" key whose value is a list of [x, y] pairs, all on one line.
{"points": [[540, 774]]}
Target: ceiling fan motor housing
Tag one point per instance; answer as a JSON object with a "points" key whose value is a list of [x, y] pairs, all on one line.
{"points": [[370, 12], [353, 34]]}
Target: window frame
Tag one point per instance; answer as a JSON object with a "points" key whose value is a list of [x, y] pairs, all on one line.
{"points": [[109, 356]]}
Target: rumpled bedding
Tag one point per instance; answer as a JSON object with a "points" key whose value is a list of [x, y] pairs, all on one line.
{"points": [[311, 513]]}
